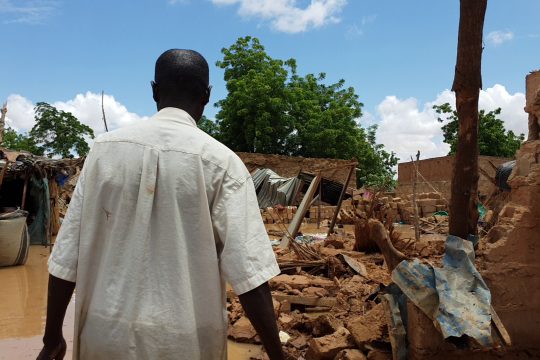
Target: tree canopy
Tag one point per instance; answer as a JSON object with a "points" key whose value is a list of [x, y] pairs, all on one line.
{"points": [[58, 132], [20, 142], [493, 138], [270, 108]]}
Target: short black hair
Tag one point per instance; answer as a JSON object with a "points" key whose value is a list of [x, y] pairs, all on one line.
{"points": [[182, 72]]}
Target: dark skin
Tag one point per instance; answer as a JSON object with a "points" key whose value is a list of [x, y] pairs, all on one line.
{"points": [[257, 303]]}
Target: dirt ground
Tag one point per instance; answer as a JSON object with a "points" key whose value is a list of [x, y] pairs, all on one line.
{"points": [[23, 299]]}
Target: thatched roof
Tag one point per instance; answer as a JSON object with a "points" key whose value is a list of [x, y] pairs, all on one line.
{"points": [[20, 163]]}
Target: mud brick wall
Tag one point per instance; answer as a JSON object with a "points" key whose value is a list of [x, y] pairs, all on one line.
{"points": [[438, 172], [288, 166]]}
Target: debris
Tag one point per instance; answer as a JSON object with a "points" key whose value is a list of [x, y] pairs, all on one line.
{"points": [[284, 337], [356, 265], [446, 294], [379, 355], [369, 329], [242, 331], [396, 329], [327, 347], [350, 354], [378, 233], [300, 281]]}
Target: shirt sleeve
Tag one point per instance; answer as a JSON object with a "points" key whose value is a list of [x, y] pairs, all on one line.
{"points": [[246, 259], [65, 255]]}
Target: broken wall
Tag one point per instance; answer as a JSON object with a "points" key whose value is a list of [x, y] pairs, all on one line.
{"points": [[437, 172], [532, 106], [512, 265], [288, 166]]}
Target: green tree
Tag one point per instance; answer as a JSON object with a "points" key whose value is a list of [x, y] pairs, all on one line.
{"points": [[58, 132], [20, 142], [270, 108], [253, 117], [208, 126], [493, 138]]}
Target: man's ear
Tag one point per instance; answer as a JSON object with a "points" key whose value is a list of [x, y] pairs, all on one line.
{"points": [[206, 98], [155, 91]]}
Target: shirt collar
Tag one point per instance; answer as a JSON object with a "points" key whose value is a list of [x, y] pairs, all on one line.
{"points": [[177, 115]]}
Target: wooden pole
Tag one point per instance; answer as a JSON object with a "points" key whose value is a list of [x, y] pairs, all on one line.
{"points": [[296, 222], [338, 206], [25, 190], [3, 172], [415, 206], [103, 111], [467, 84], [319, 204]]}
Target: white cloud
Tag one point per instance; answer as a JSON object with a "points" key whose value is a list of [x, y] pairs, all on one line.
{"points": [[85, 107], [286, 16], [368, 19], [498, 37], [27, 11], [406, 126]]}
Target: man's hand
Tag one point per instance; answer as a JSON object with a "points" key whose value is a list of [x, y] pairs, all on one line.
{"points": [[53, 353], [58, 298], [258, 307]]}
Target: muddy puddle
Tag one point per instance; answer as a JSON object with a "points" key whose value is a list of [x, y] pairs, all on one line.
{"points": [[23, 301]]}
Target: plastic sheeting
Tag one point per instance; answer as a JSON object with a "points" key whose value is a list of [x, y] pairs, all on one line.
{"points": [[38, 229], [273, 189], [454, 296]]}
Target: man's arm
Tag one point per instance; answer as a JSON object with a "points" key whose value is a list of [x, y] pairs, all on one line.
{"points": [[59, 295], [258, 307]]}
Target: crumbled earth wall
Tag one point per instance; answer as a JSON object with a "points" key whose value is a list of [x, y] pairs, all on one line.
{"points": [[400, 209], [288, 166], [438, 172], [512, 254]]}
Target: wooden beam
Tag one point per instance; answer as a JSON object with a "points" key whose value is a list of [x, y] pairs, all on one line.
{"points": [[500, 328], [340, 200], [295, 223], [297, 299]]}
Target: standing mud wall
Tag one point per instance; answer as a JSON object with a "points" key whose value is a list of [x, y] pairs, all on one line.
{"points": [[533, 104], [438, 172], [288, 166], [512, 266]]}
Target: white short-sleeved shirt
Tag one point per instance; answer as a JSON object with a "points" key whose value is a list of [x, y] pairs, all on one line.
{"points": [[163, 215]]}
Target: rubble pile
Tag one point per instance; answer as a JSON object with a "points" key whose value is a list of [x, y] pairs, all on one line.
{"points": [[328, 299]]}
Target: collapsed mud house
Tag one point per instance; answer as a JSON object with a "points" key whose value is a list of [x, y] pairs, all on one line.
{"points": [[30, 201], [335, 297]]}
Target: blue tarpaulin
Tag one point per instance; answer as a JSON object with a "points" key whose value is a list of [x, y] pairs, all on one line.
{"points": [[455, 296]]}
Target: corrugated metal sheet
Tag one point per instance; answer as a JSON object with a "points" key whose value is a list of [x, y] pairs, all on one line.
{"points": [[273, 189], [454, 296]]}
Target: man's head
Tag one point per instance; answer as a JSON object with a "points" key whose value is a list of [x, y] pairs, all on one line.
{"points": [[181, 81]]}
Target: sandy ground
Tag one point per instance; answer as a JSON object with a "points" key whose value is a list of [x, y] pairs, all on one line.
{"points": [[23, 301]]}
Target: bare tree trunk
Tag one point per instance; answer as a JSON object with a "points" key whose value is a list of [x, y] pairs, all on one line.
{"points": [[467, 85]]}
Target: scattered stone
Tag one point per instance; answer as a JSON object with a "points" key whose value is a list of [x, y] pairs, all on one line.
{"points": [[284, 337], [350, 354], [242, 331], [300, 342], [327, 347], [300, 281], [326, 325], [315, 291], [369, 328], [379, 355]]}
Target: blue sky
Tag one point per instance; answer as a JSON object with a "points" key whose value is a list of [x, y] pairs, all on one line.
{"points": [[399, 56]]}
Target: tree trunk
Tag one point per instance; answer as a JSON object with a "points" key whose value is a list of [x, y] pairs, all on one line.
{"points": [[467, 85]]}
